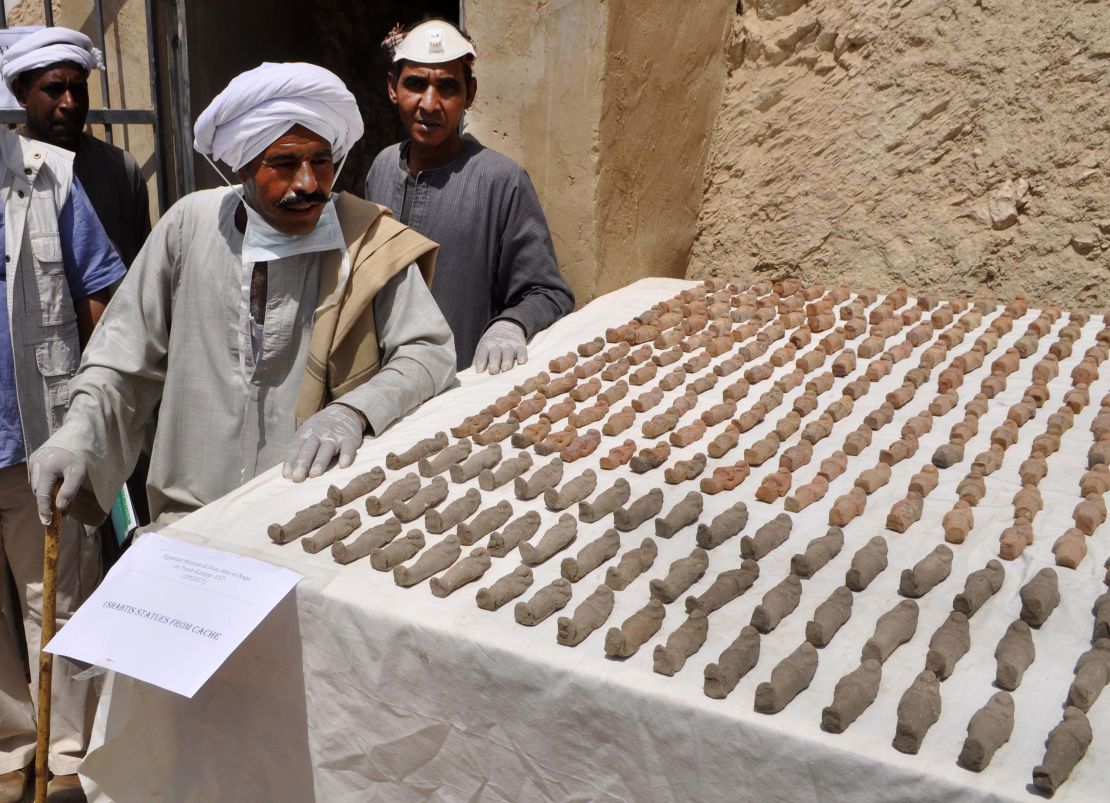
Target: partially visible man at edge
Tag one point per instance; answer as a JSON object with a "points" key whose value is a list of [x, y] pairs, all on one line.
{"points": [[48, 72], [497, 280], [50, 79], [271, 321], [58, 265]]}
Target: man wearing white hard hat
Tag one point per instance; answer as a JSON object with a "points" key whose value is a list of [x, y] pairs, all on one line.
{"points": [[271, 321], [58, 264], [497, 280]]}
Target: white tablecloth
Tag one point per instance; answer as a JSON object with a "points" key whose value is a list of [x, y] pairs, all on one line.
{"points": [[355, 689]]}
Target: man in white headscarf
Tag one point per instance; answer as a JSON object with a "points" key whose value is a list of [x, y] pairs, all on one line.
{"points": [[272, 321], [48, 71]]}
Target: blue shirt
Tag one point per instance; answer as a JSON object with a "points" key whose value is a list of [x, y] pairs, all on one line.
{"points": [[91, 264]]}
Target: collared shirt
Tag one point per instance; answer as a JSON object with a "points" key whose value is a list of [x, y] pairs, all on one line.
{"points": [[91, 264], [496, 260], [170, 337]]}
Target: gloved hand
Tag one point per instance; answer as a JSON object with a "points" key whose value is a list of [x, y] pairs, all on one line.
{"points": [[336, 428], [48, 465], [501, 347]]}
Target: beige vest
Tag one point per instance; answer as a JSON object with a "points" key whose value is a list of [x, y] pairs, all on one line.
{"points": [[343, 349]]}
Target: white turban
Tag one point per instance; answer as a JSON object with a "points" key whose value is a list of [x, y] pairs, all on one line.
{"points": [[46, 47], [260, 105]]}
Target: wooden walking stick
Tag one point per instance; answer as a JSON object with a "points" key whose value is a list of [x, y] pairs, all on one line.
{"points": [[46, 660]]}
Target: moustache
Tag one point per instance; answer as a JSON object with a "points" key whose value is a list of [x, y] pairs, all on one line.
{"points": [[292, 198]]}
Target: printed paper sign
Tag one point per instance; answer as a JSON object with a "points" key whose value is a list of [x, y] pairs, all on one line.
{"points": [[170, 613]]}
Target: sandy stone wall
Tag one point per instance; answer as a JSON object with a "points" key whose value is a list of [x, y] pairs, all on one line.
{"points": [[959, 145], [609, 106]]}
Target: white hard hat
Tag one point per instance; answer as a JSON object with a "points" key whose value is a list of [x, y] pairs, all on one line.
{"points": [[434, 42]]}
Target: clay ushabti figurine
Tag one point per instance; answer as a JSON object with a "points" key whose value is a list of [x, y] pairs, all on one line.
{"points": [[495, 433], [853, 694], [581, 446], [646, 507], [591, 614], [682, 574], [777, 604], [490, 479], [592, 347], [905, 512], [681, 644], [1065, 746], [484, 523], [361, 485], [605, 502], [557, 412], [505, 589], [867, 563], [618, 455], [651, 457], [767, 538], [559, 386], [530, 385], [723, 527], [549, 599], [949, 644], [436, 521], [397, 551], [774, 486], [807, 494], [467, 570], [564, 363], [685, 470], [335, 530], [434, 560], [918, 710], [556, 539], [1013, 655], [591, 556], [373, 538], [818, 552], [789, 678], [927, 573], [681, 515], [547, 476], [589, 415], [476, 463], [645, 401], [736, 661], [728, 585], [989, 728], [427, 497], [829, 617], [1101, 610], [470, 426], [515, 533], [619, 422], [528, 408], [400, 491], [445, 459], [848, 507], [958, 522], [531, 434], [1092, 673], [1039, 597], [893, 629], [572, 492], [725, 478], [624, 641], [303, 522], [980, 586], [631, 565]]}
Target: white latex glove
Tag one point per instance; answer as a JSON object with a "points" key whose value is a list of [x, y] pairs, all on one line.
{"points": [[48, 465], [501, 347], [336, 428]]}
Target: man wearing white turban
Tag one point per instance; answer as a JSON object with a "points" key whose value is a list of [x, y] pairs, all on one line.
{"points": [[270, 321], [48, 73]]}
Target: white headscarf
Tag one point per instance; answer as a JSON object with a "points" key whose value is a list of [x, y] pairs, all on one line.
{"points": [[260, 105], [49, 46]]}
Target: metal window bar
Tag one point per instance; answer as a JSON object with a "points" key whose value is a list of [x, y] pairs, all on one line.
{"points": [[108, 116]]}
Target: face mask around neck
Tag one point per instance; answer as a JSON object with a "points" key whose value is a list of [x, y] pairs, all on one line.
{"points": [[263, 243]]}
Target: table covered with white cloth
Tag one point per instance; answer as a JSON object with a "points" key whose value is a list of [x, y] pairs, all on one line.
{"points": [[355, 689]]}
